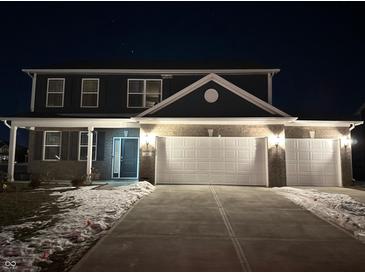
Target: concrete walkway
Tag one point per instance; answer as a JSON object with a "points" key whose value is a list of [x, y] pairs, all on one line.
{"points": [[222, 228]]}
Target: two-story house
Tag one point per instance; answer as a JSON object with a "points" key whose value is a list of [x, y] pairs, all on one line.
{"points": [[176, 126]]}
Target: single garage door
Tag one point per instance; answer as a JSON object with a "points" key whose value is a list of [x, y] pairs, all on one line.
{"points": [[313, 162], [211, 160]]}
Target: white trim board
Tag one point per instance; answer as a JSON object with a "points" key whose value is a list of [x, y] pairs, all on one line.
{"points": [[154, 71], [32, 99], [71, 122], [322, 123], [216, 121], [224, 83]]}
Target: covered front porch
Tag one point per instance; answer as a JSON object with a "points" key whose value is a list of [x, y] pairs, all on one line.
{"points": [[67, 147]]}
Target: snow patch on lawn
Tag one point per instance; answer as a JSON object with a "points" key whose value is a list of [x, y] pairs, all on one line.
{"points": [[340, 209], [56, 188], [85, 215]]}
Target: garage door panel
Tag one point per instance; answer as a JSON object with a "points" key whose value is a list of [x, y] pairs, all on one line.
{"points": [[211, 160], [189, 154], [312, 162], [217, 166], [204, 166], [203, 154], [243, 155], [243, 167], [230, 167], [304, 145], [190, 166], [230, 154], [304, 156], [291, 155]]}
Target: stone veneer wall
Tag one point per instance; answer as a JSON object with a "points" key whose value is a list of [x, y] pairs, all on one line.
{"points": [[276, 155], [330, 133]]}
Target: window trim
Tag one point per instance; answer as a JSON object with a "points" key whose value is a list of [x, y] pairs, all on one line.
{"points": [[144, 94], [82, 92], [63, 92], [44, 145], [79, 147]]}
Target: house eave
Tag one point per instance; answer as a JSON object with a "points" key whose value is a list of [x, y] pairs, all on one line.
{"points": [[154, 71], [216, 120], [27, 122], [323, 123]]}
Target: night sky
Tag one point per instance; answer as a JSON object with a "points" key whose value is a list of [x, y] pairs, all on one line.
{"points": [[319, 47]]}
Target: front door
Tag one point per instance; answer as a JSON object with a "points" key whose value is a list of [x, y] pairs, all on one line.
{"points": [[125, 158]]}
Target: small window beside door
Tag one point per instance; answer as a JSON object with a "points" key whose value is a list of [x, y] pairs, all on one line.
{"points": [[144, 93], [90, 93]]}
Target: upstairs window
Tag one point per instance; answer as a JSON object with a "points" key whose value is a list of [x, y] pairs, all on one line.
{"points": [[144, 93], [90, 93], [83, 145], [55, 92], [52, 146]]}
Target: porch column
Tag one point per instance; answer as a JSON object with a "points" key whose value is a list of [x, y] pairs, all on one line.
{"points": [[12, 147], [89, 160]]}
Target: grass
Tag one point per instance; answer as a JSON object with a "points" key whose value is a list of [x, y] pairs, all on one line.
{"points": [[22, 202]]}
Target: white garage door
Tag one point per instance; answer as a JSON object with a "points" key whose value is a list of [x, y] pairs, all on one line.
{"points": [[211, 160], [312, 162]]}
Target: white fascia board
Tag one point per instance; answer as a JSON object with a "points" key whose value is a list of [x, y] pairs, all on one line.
{"points": [[32, 99], [323, 123], [153, 71], [224, 83], [216, 121], [71, 122]]}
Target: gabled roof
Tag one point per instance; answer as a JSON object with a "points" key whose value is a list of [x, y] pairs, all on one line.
{"points": [[224, 83]]}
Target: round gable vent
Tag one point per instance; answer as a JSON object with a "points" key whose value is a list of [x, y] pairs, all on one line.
{"points": [[211, 95]]}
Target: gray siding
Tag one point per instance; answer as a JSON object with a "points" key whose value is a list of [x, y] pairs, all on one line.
{"points": [[113, 91], [69, 167]]}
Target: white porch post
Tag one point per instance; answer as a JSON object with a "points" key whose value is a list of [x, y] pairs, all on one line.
{"points": [[89, 160], [12, 147]]}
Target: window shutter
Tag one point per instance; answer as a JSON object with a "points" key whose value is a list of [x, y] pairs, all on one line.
{"points": [[38, 145], [100, 146], [64, 145], [74, 145]]}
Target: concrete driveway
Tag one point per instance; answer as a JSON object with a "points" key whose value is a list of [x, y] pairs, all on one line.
{"points": [[222, 228]]}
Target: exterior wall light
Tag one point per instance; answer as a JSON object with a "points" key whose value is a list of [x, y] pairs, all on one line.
{"points": [[276, 140], [346, 141], [148, 140]]}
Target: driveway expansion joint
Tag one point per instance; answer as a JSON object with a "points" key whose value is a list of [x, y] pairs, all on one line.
{"points": [[239, 251]]}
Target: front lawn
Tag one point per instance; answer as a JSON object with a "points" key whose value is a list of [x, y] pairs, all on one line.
{"points": [[50, 228]]}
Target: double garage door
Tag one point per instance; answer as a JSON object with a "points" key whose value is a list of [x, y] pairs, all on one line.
{"points": [[243, 161], [211, 160]]}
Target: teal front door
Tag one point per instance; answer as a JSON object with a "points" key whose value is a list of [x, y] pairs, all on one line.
{"points": [[125, 158]]}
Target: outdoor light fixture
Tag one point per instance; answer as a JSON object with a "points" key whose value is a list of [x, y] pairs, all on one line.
{"points": [[346, 141], [276, 140], [148, 139]]}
